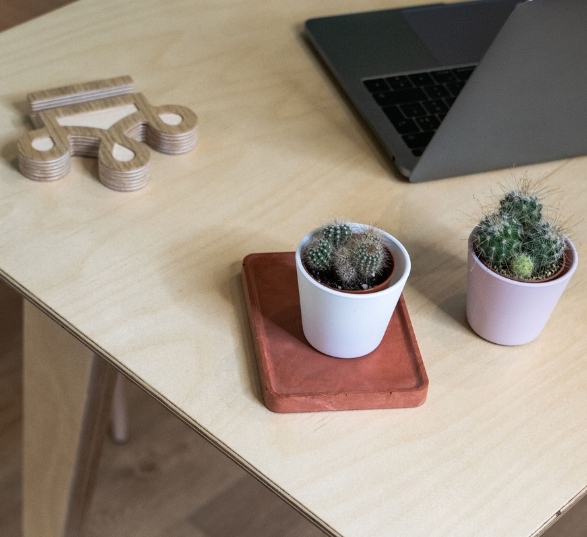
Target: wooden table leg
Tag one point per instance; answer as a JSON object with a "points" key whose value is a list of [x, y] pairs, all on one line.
{"points": [[67, 395], [119, 428]]}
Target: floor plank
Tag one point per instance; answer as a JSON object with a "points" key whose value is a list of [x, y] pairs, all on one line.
{"points": [[166, 481], [13, 12], [10, 411], [166, 477]]}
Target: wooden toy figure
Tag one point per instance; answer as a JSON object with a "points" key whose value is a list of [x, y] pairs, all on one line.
{"points": [[102, 119]]}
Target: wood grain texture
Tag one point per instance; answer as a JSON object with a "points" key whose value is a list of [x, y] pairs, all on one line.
{"points": [[166, 480], [151, 281], [79, 93], [102, 119]]}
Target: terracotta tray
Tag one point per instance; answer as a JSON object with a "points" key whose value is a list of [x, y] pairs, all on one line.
{"points": [[297, 378]]}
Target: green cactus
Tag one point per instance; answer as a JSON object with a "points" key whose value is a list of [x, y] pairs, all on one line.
{"points": [[523, 205], [546, 243], [522, 266], [368, 254], [516, 241], [318, 253], [337, 232], [346, 259], [499, 239]]}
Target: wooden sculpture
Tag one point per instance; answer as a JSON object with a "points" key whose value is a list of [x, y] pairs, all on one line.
{"points": [[102, 119]]}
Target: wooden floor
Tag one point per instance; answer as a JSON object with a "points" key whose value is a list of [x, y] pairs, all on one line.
{"points": [[166, 481], [13, 12]]}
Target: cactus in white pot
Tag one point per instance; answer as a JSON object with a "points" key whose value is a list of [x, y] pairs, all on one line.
{"points": [[350, 278], [520, 262], [347, 259]]}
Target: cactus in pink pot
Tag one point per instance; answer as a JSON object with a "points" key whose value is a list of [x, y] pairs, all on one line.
{"points": [[517, 240], [519, 264]]}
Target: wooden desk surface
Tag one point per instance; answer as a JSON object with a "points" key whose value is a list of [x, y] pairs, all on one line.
{"points": [[151, 280]]}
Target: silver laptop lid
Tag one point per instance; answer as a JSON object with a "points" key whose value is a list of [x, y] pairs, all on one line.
{"points": [[525, 102], [358, 46]]}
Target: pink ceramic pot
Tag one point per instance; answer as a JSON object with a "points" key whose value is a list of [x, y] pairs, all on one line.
{"points": [[510, 312]]}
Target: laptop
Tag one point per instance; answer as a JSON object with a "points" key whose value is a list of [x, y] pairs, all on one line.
{"points": [[463, 88]]}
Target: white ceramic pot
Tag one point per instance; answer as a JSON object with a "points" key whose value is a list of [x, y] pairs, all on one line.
{"points": [[510, 312], [347, 325]]}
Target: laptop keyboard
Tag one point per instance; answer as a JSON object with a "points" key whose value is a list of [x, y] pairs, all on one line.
{"points": [[416, 103]]}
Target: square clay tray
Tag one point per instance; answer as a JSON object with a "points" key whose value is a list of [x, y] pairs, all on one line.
{"points": [[297, 378]]}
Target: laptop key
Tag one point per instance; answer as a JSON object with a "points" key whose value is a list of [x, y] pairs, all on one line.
{"points": [[443, 76], [417, 103], [436, 92], [428, 123], [421, 79], [463, 73], [418, 139], [390, 98], [402, 124], [393, 113], [455, 88], [376, 85], [384, 98], [399, 82], [405, 126], [413, 110], [436, 106]]}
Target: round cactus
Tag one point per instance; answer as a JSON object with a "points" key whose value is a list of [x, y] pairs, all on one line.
{"points": [[337, 233], [516, 241], [522, 266], [369, 255], [348, 259], [499, 239], [317, 254], [523, 205], [546, 244], [344, 267]]}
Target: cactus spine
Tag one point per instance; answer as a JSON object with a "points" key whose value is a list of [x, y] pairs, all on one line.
{"points": [[318, 254], [522, 266], [523, 205], [499, 239], [337, 233], [516, 241], [346, 259], [546, 243], [367, 254]]}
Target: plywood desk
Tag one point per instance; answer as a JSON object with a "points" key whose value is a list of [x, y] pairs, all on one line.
{"points": [[149, 282]]}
